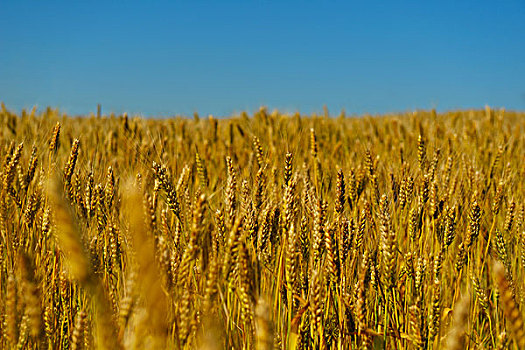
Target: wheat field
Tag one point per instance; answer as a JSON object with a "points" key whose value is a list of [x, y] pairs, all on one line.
{"points": [[263, 231]]}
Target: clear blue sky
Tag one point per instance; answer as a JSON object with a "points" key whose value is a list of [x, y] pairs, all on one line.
{"points": [[165, 58]]}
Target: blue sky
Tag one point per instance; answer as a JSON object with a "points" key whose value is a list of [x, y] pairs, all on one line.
{"points": [[165, 58]]}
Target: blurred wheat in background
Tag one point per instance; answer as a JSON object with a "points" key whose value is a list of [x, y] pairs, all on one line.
{"points": [[268, 231]]}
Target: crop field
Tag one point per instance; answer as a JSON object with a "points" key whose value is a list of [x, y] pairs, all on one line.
{"points": [[263, 231]]}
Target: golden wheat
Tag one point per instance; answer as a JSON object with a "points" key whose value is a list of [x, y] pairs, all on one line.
{"points": [[263, 231]]}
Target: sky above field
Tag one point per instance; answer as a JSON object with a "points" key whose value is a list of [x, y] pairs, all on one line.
{"points": [[164, 58]]}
